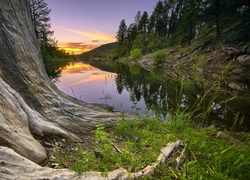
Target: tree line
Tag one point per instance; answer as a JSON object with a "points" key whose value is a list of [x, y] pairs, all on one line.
{"points": [[41, 22], [178, 22]]}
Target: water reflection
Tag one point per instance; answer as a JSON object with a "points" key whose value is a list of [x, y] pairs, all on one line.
{"points": [[124, 87]]}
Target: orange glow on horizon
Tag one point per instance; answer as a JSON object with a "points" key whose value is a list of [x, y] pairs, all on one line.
{"points": [[71, 49], [82, 41]]}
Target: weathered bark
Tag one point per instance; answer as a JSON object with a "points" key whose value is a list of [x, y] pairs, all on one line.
{"points": [[30, 104]]}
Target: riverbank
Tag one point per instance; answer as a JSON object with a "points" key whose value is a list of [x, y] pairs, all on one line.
{"points": [[201, 63]]}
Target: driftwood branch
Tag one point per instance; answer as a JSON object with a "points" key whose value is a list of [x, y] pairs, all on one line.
{"points": [[116, 148], [181, 158], [173, 172], [165, 153]]}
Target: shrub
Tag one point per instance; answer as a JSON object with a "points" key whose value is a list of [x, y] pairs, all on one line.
{"points": [[136, 54], [159, 57]]}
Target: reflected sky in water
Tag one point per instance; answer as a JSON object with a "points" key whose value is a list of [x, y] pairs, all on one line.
{"points": [[92, 85]]}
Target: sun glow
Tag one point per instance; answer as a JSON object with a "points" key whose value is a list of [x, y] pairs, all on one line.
{"points": [[77, 42], [74, 49]]}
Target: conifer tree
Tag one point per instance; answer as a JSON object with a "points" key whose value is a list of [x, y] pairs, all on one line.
{"points": [[122, 32], [160, 19], [41, 21], [131, 33], [143, 24]]}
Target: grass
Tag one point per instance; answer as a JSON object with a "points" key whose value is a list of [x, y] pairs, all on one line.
{"points": [[135, 144], [130, 144]]}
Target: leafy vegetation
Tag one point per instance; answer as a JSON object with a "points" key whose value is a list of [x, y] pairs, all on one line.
{"points": [[135, 54], [159, 57]]}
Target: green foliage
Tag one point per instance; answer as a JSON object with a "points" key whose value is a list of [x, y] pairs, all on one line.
{"points": [[159, 57], [136, 54]]}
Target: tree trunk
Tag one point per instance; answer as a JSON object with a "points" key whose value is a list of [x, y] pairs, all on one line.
{"points": [[30, 104]]}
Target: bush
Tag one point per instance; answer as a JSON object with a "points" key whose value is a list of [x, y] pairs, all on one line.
{"points": [[159, 57], [136, 54]]}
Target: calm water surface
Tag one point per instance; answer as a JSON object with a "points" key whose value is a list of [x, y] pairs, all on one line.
{"points": [[133, 89], [93, 85]]}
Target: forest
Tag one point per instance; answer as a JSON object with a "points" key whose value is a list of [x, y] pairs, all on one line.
{"points": [[179, 22]]}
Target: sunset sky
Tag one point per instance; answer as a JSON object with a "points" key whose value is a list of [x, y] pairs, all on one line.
{"points": [[81, 25]]}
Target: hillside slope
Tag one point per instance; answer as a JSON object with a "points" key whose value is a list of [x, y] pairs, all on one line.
{"points": [[99, 52]]}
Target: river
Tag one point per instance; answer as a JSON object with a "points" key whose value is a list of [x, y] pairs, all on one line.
{"points": [[133, 89]]}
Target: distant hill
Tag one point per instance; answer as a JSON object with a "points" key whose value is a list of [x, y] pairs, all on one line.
{"points": [[101, 51]]}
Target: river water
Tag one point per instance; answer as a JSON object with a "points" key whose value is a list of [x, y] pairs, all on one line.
{"points": [[133, 89]]}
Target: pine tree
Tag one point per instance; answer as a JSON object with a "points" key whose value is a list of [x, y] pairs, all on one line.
{"points": [[122, 32], [41, 21], [160, 19], [151, 24], [137, 18], [143, 24], [131, 33], [189, 17]]}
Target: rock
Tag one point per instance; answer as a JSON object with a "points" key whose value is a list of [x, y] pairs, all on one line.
{"points": [[232, 140], [235, 86], [243, 58], [209, 49], [172, 51], [185, 54], [177, 56], [238, 71]]}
